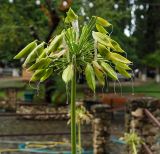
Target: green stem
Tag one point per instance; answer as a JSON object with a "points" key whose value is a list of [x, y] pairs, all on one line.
{"points": [[134, 148], [73, 112], [79, 138]]}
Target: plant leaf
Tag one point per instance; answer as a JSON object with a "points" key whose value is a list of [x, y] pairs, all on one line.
{"points": [[67, 74], [86, 31], [117, 57], [109, 70], [90, 77]]}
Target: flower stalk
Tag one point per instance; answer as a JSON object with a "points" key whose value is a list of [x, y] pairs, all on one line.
{"points": [[73, 110], [79, 138]]}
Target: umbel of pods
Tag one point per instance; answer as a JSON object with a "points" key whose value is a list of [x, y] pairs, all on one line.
{"points": [[89, 49]]}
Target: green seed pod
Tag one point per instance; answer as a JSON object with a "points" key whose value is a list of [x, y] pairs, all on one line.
{"points": [[56, 42], [115, 57], [40, 64], [90, 77], [96, 65], [25, 51], [116, 46], [123, 72], [67, 74], [102, 38], [102, 22], [43, 54], [98, 72], [109, 70], [37, 75], [122, 65], [101, 29], [104, 52], [34, 54], [48, 73]]}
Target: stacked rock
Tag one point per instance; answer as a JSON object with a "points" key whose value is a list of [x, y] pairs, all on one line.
{"points": [[44, 112], [137, 120], [101, 128]]}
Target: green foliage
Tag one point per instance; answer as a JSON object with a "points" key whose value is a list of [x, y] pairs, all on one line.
{"points": [[153, 59], [16, 19], [147, 29], [133, 141], [82, 115]]}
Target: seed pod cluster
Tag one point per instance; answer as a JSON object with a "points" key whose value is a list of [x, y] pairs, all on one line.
{"points": [[94, 53], [38, 57]]}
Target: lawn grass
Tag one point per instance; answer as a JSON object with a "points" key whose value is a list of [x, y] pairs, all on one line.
{"points": [[148, 89], [2, 94]]}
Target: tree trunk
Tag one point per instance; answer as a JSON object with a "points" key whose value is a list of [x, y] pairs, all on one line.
{"points": [[144, 74], [158, 75]]}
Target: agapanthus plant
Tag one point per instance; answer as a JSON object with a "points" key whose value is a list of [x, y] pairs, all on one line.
{"points": [[89, 49]]}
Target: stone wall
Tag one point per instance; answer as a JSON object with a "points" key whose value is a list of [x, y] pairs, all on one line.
{"points": [[9, 103], [137, 120], [100, 124], [101, 128], [57, 113]]}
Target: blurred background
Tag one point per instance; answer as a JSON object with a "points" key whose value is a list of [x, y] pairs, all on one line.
{"points": [[136, 26]]}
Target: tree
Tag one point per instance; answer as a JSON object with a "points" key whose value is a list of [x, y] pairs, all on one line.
{"points": [[147, 28], [153, 60], [16, 19], [23, 21]]}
